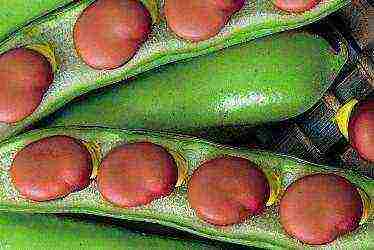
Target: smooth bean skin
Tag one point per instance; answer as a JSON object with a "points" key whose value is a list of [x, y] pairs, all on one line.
{"points": [[296, 5], [109, 32], [228, 190], [198, 20], [136, 174], [51, 168], [24, 77], [361, 129], [316, 209]]}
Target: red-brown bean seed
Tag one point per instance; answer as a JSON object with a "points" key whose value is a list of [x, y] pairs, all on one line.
{"points": [[361, 129], [198, 20], [227, 190], [296, 5], [316, 209], [109, 32], [136, 174], [51, 168], [25, 75]]}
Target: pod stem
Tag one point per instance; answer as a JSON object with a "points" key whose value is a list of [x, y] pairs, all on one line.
{"points": [[367, 207], [95, 152], [343, 115], [152, 7], [46, 50]]}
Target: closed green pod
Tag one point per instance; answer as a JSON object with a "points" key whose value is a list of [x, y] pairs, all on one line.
{"points": [[23, 231], [248, 197], [270, 79]]}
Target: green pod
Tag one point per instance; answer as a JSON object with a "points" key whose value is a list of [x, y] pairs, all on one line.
{"points": [[52, 35], [17, 13], [270, 79], [41, 231], [263, 230]]}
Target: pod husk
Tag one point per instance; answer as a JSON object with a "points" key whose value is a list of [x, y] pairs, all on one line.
{"points": [[261, 231]]}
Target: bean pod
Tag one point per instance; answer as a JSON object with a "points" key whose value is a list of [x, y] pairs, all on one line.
{"points": [[270, 79], [40, 231], [222, 193], [86, 52], [16, 14]]}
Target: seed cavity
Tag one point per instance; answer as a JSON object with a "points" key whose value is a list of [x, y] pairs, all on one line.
{"points": [[228, 190], [110, 32], [318, 208], [136, 174], [51, 168]]}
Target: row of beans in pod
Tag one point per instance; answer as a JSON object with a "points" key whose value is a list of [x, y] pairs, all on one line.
{"points": [[89, 44], [249, 197]]}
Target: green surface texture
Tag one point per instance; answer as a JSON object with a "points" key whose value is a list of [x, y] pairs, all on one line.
{"points": [[270, 79], [16, 13], [21, 231]]}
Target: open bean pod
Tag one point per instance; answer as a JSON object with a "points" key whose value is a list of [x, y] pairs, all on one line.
{"points": [[175, 205], [76, 69]]}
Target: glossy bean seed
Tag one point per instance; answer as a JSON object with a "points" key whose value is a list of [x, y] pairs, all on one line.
{"points": [[228, 190], [24, 77], [109, 32], [51, 168], [198, 20], [296, 5], [316, 209], [361, 129], [135, 174]]}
